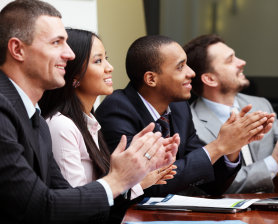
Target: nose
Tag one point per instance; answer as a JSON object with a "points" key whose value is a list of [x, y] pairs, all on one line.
{"points": [[241, 62], [68, 53], [108, 68], [190, 73]]}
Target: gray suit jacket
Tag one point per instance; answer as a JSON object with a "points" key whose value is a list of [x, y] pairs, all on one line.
{"points": [[252, 178]]}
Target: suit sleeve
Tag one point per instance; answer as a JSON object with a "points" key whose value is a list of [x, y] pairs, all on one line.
{"points": [[25, 198], [118, 117]]}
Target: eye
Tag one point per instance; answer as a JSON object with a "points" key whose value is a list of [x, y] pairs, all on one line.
{"points": [[56, 42], [180, 67], [98, 61], [106, 58]]}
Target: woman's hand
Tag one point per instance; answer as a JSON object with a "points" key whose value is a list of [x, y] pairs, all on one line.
{"points": [[159, 176]]}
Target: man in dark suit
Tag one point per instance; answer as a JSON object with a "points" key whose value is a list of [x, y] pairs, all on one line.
{"points": [[33, 55], [219, 79], [160, 85]]}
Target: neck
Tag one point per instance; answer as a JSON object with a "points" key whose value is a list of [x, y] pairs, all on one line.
{"points": [[87, 102], [226, 99], [29, 86], [154, 99]]}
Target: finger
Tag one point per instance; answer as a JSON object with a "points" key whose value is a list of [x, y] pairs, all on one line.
{"points": [[147, 129], [167, 177], [257, 123], [267, 128], [161, 182], [121, 146], [231, 118], [151, 144], [245, 110]]}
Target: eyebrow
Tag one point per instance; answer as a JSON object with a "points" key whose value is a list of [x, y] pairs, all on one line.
{"points": [[99, 55], [181, 62], [230, 56]]}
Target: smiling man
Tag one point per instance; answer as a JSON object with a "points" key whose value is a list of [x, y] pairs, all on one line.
{"points": [[219, 79], [160, 84], [33, 56]]}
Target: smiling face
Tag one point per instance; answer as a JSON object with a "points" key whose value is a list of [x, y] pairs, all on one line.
{"points": [[175, 77], [98, 78], [227, 68], [47, 56]]}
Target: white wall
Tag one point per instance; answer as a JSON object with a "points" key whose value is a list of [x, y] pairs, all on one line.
{"points": [[80, 14], [76, 13]]}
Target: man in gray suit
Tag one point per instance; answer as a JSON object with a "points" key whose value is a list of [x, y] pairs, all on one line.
{"points": [[33, 56], [219, 78]]}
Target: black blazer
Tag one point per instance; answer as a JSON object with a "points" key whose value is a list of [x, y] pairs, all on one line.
{"points": [[124, 113], [32, 189]]}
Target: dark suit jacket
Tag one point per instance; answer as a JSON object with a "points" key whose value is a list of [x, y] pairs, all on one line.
{"points": [[32, 189], [124, 113]]}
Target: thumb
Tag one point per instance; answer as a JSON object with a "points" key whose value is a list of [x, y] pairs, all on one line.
{"points": [[121, 146], [245, 110], [231, 118]]}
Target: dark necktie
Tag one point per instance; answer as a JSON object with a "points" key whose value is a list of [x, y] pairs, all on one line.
{"points": [[36, 119], [164, 123]]}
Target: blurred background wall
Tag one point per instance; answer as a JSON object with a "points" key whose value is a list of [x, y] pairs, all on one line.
{"points": [[248, 26]]}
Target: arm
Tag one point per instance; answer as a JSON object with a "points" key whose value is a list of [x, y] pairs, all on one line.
{"points": [[70, 151]]}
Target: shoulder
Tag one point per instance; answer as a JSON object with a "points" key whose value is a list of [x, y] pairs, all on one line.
{"points": [[258, 103], [59, 123]]}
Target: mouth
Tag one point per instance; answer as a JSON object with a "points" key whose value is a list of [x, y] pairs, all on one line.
{"points": [[108, 81], [62, 67], [187, 85]]}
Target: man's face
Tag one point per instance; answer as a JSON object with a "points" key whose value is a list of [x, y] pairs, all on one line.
{"points": [[175, 77], [46, 58], [227, 68]]}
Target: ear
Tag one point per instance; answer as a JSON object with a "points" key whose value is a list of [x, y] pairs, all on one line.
{"points": [[150, 79], [209, 79], [16, 49]]}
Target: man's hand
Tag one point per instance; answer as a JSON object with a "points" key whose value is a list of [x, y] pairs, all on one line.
{"points": [[238, 131], [145, 154], [266, 126]]}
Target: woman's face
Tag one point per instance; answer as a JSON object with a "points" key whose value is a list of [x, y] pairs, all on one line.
{"points": [[98, 78]]}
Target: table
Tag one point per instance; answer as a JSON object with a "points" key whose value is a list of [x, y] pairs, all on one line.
{"points": [[250, 217]]}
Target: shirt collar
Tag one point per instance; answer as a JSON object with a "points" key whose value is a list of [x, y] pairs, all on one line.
{"points": [[26, 101], [92, 123], [152, 110], [222, 111]]}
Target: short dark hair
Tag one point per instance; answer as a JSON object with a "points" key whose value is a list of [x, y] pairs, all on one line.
{"points": [[17, 19], [197, 58], [144, 55]]}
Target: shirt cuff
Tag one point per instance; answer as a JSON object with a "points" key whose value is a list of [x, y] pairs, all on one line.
{"points": [[136, 191], [227, 161], [271, 165], [108, 191], [231, 164], [207, 153]]}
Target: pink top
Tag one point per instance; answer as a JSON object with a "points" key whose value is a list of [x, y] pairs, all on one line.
{"points": [[70, 151]]}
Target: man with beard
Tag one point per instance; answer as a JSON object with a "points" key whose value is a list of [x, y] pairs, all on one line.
{"points": [[219, 79], [160, 84]]}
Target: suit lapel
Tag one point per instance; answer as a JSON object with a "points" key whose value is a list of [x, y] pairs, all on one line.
{"points": [[9, 91], [211, 122]]}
